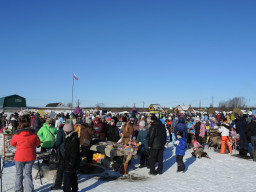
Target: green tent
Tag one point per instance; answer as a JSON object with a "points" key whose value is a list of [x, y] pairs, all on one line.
{"points": [[15, 101]]}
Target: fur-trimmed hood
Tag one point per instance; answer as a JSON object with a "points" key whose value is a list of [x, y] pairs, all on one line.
{"points": [[27, 129], [226, 125]]}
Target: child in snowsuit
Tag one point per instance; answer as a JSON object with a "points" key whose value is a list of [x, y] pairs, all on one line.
{"points": [[180, 145]]}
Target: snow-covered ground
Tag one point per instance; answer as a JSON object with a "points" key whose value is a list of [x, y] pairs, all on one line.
{"points": [[222, 172]]}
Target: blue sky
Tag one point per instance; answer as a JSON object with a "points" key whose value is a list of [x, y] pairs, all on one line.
{"points": [[124, 52]]}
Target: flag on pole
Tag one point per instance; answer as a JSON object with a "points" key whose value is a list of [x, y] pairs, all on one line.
{"points": [[75, 77]]}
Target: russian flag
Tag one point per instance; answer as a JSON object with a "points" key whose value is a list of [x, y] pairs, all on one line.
{"points": [[75, 77]]}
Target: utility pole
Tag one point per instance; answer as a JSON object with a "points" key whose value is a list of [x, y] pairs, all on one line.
{"points": [[212, 101], [143, 104]]}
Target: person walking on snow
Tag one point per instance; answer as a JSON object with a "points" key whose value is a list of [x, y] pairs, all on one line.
{"points": [[224, 130]]}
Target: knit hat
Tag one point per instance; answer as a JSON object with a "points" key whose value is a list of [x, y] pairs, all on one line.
{"points": [[50, 121], [180, 133], [197, 119], [68, 128]]}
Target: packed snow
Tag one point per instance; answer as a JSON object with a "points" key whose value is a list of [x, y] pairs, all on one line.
{"points": [[222, 172]]}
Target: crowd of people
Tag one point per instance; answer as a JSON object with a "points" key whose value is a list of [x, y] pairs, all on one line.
{"points": [[73, 134]]}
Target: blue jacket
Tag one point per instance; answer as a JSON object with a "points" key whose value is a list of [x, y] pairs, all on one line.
{"points": [[181, 126], [189, 126], [162, 120], [181, 147]]}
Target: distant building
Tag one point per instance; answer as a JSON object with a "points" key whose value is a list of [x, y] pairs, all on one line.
{"points": [[13, 101], [185, 108], [155, 107], [55, 105]]}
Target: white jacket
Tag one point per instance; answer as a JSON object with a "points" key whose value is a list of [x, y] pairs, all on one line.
{"points": [[224, 131]]}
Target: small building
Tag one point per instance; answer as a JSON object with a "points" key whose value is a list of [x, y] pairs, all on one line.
{"points": [[13, 101], [155, 108], [185, 108], [55, 105]]}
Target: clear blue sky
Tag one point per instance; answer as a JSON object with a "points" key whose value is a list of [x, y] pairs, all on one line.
{"points": [[169, 52]]}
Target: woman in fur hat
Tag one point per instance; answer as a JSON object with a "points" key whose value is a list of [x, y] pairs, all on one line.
{"points": [[127, 130]]}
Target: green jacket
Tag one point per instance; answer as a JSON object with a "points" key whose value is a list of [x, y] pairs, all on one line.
{"points": [[47, 136]]}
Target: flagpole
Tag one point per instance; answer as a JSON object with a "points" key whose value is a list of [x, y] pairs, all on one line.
{"points": [[72, 93]]}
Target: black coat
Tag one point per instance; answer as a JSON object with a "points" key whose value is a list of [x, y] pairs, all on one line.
{"points": [[72, 153], [37, 123], [14, 125], [112, 133], [241, 128], [251, 130], [60, 141], [197, 128], [157, 135]]}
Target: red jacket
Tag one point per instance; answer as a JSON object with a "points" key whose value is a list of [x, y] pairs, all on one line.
{"points": [[25, 140]]}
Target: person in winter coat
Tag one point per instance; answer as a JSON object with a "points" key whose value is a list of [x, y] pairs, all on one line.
{"points": [[143, 137], [174, 123], [156, 143], [25, 140], [58, 121], [47, 135], [99, 129], [190, 132], [60, 143], [71, 158], [213, 123], [180, 145], [112, 131], [14, 122], [202, 133], [197, 127], [181, 126], [36, 122], [206, 117], [251, 136], [136, 128], [224, 129], [218, 117], [85, 141], [127, 130], [169, 126], [241, 129], [134, 123]]}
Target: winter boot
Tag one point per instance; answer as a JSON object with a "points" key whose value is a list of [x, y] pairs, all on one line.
{"points": [[125, 171]]}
